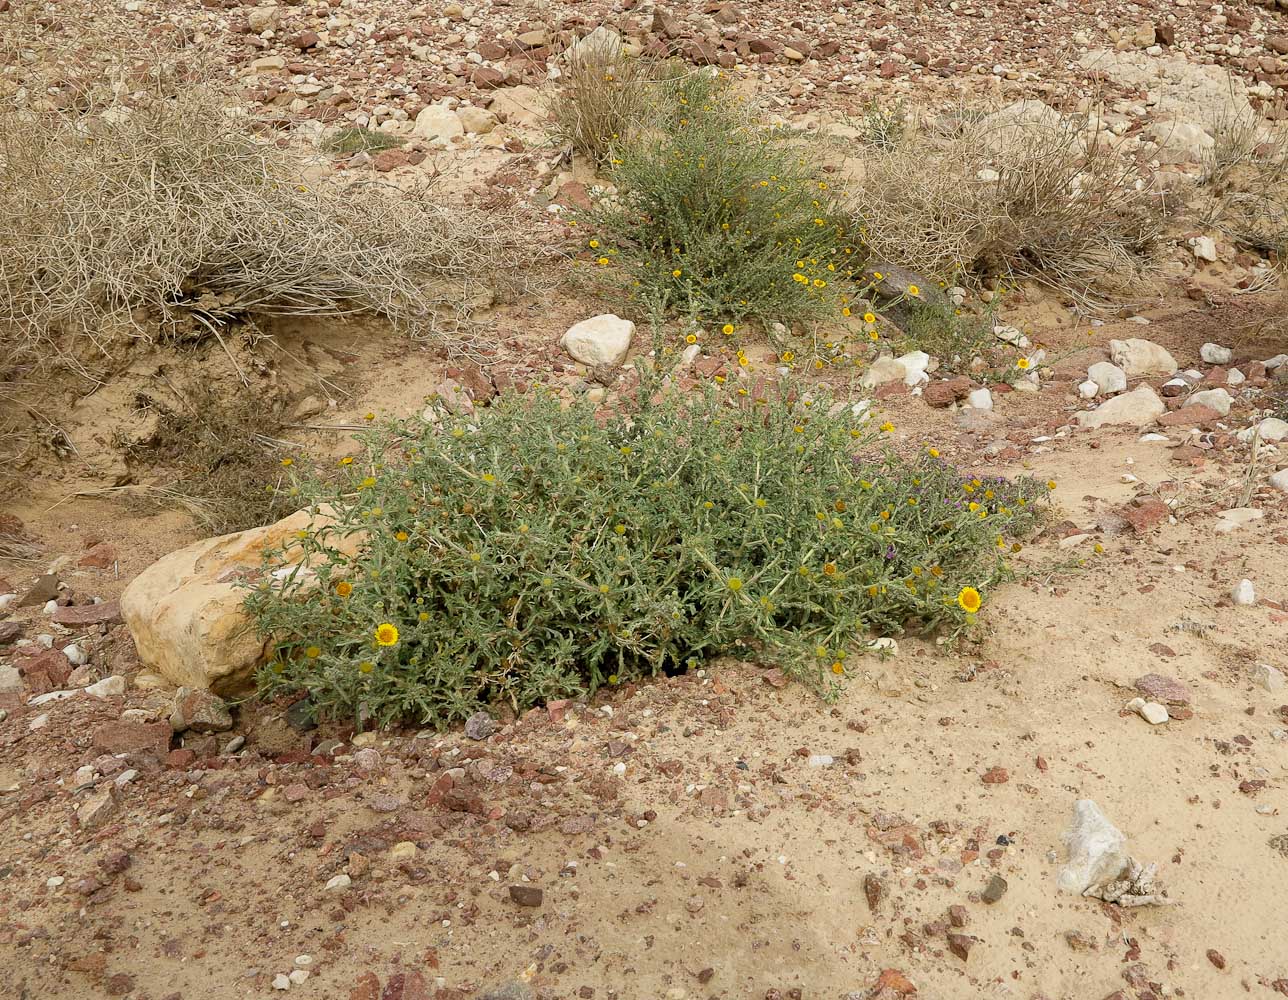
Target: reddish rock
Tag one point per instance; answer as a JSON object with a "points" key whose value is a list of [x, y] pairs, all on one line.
{"points": [[527, 895], [960, 945], [306, 40], [1145, 516], [486, 78], [180, 759], [367, 987], [874, 890], [406, 986], [894, 981], [99, 556], [945, 393], [127, 737], [84, 615], [1194, 415], [1165, 690], [995, 776], [573, 194], [1216, 958], [389, 159], [45, 671], [492, 51], [119, 985]]}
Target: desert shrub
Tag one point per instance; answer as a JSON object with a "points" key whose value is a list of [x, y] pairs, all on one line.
{"points": [[606, 97], [225, 457], [352, 139], [534, 552], [1038, 201], [952, 335], [881, 125], [1245, 178], [724, 220]]}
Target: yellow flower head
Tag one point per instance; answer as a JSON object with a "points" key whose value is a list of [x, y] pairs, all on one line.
{"points": [[366, 666], [344, 588], [787, 357], [914, 291], [288, 462], [386, 634], [313, 652], [594, 244], [887, 427], [347, 460], [968, 600], [1022, 364], [734, 584], [691, 339], [727, 329], [676, 273], [869, 317]]}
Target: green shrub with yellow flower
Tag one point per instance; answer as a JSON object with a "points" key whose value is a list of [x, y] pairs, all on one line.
{"points": [[718, 216], [533, 551]]}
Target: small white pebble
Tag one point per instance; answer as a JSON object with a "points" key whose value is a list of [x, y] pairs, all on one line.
{"points": [[54, 881], [281, 982], [299, 976]]}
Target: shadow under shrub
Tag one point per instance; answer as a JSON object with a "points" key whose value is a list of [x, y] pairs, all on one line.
{"points": [[534, 552]]}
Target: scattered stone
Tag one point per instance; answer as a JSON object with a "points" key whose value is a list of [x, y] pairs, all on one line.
{"points": [[1236, 518], [339, 883], [1140, 407], [820, 760], [281, 981], [96, 810], [199, 711], [1108, 377], [980, 399], [1268, 677], [1272, 429], [436, 123], [1167, 690], [995, 776], [1151, 711], [960, 945], [884, 369], [44, 590], [86, 615], [128, 737], [1215, 354], [108, 687], [995, 889], [480, 726], [874, 889], [1214, 399], [892, 981], [1096, 849], [1138, 357], [1205, 249], [527, 895], [1279, 480], [1216, 958], [1244, 594], [600, 340]]}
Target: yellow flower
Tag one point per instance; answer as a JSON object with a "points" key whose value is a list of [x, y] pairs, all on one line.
{"points": [[369, 417], [619, 528], [594, 244], [869, 317], [676, 273], [344, 588], [423, 616], [734, 584], [873, 336], [787, 357], [829, 569], [878, 275], [401, 536], [288, 462], [887, 427], [913, 290], [487, 477], [1050, 484], [838, 667], [366, 666], [727, 329], [1022, 364], [933, 452], [602, 262], [347, 460], [386, 634], [313, 652], [968, 600], [603, 588], [367, 483], [760, 502], [691, 339], [845, 310]]}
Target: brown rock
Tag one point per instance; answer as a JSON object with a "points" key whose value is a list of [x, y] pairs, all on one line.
{"points": [[1216, 958], [127, 737], [874, 890], [894, 981], [1194, 415], [995, 776], [389, 159], [1277, 43], [527, 895], [408, 985], [960, 945], [1145, 516], [99, 556], [1166, 690], [98, 809], [84, 615], [119, 985], [486, 78], [367, 987], [45, 671], [995, 889], [945, 393], [957, 915], [45, 589]]}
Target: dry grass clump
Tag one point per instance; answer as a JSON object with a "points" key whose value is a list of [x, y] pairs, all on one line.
{"points": [[1038, 201], [226, 456], [1245, 174]]}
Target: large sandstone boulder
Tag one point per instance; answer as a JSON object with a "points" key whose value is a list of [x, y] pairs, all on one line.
{"points": [[185, 610], [1140, 407]]}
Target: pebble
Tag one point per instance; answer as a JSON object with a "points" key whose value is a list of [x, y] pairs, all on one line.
{"points": [[980, 399], [995, 889], [54, 881], [1151, 711], [339, 883], [1204, 249], [480, 726], [233, 745], [820, 760], [1268, 677], [527, 895], [281, 981], [1215, 354], [1244, 594], [298, 976]]}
